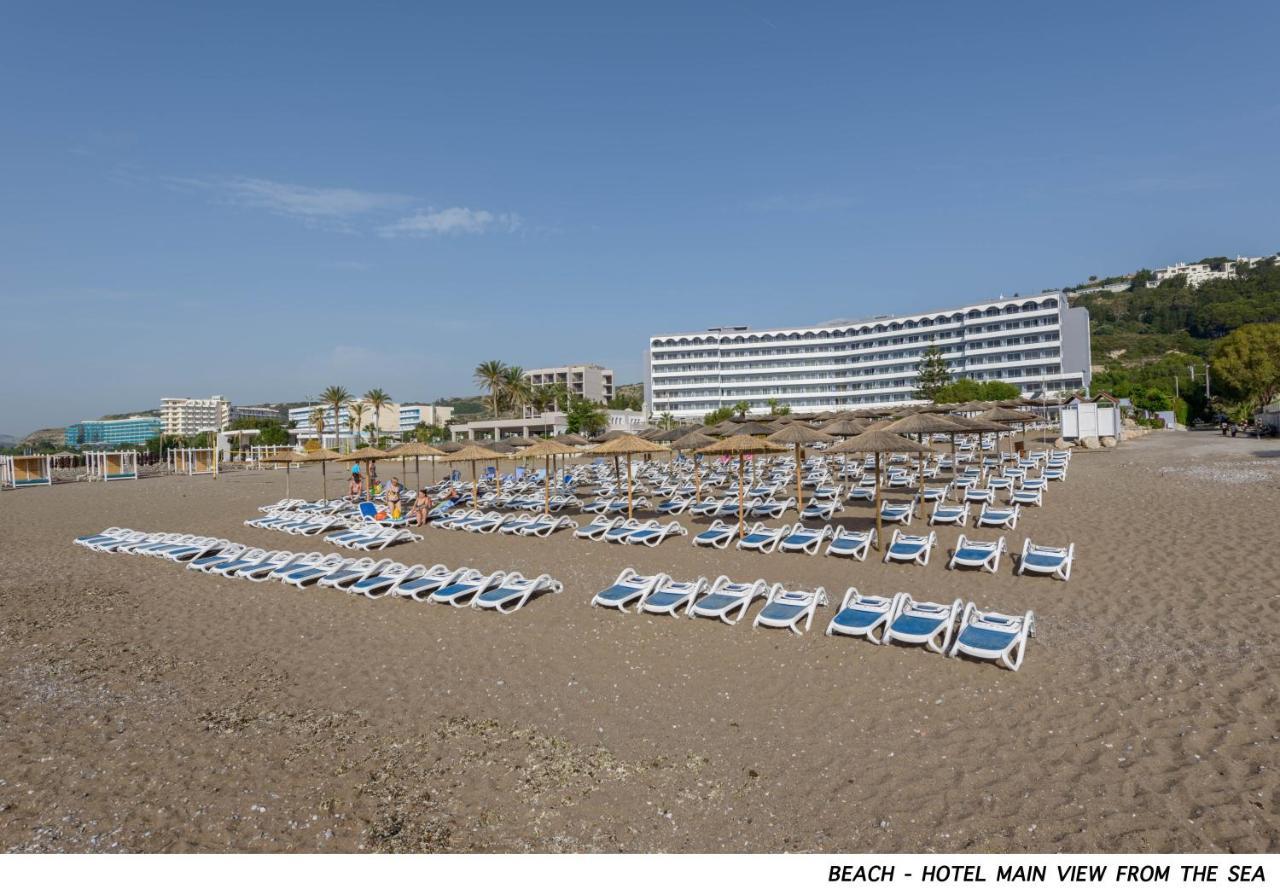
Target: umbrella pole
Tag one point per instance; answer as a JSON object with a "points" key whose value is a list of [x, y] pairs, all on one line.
{"points": [[547, 470], [630, 485], [324, 480], [879, 537], [286, 480], [741, 523], [799, 493], [417, 470], [697, 480], [475, 486]]}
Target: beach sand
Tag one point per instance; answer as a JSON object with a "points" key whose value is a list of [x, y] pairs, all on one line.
{"points": [[147, 708]]}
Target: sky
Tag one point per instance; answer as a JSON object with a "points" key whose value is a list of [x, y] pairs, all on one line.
{"points": [[260, 200]]}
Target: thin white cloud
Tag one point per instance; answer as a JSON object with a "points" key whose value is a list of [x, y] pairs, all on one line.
{"points": [[321, 206], [452, 221]]}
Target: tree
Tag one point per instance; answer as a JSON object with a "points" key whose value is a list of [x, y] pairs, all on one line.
{"points": [[335, 396], [1246, 363], [516, 389], [742, 408], [626, 402], [317, 423], [585, 418], [356, 411], [777, 408], [717, 416], [491, 375], [932, 375], [377, 399], [666, 422]]}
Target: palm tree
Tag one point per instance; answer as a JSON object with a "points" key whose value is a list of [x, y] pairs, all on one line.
{"points": [[667, 422], [516, 389], [491, 375], [356, 411], [377, 399], [335, 396], [371, 430], [317, 421]]}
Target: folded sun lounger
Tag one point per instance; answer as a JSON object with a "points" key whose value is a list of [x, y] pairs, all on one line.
{"points": [[1053, 561], [673, 597], [727, 600], [513, 591], [420, 587], [788, 608], [994, 635], [847, 542], [911, 548], [978, 554], [630, 586], [863, 615], [919, 622]]}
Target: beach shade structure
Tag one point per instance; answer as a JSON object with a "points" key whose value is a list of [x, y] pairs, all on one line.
{"points": [[288, 458], [546, 450], [739, 446], [321, 456], [879, 442], [625, 445], [449, 447], [26, 470], [843, 428], [753, 427], [1007, 415], [978, 425], [797, 435], [417, 450], [572, 440], [666, 436], [473, 453], [692, 441], [923, 424], [973, 407], [367, 455]]}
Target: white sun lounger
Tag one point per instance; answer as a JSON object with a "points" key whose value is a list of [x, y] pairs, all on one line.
{"points": [[772, 509], [911, 548], [1054, 561], [621, 531], [821, 509], [994, 635], [348, 574], [978, 554], [1023, 498], [238, 561], [272, 560], [107, 534], [161, 541], [728, 600], [462, 590], [513, 591], [595, 529], [848, 542], [386, 581], [300, 578], [720, 535], [788, 608], [226, 554], [628, 587], [863, 615], [197, 548], [949, 514], [897, 511], [919, 622], [762, 538], [512, 524], [420, 586], [673, 597], [654, 533], [484, 523], [303, 563], [545, 525], [999, 517], [383, 538], [804, 540], [263, 570]]}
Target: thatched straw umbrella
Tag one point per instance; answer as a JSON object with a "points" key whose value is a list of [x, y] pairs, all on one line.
{"points": [[691, 441], [546, 450], [923, 424], [288, 458], [797, 435], [417, 451], [843, 428], [367, 455], [321, 456], [626, 445], [753, 427], [879, 442], [1008, 415], [739, 446], [449, 447], [473, 454], [572, 440]]}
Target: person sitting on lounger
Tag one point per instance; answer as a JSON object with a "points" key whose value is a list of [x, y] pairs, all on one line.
{"points": [[392, 494], [354, 485], [421, 507]]}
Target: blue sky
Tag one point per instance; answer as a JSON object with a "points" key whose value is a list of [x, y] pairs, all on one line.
{"points": [[260, 200]]}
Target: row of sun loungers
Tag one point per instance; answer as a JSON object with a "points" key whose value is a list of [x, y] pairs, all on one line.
{"points": [[504, 591], [949, 629], [629, 531], [526, 524]]}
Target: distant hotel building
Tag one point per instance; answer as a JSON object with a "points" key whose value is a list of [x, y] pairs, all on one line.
{"points": [[591, 382], [1036, 343], [240, 412], [131, 430], [413, 415], [191, 416]]}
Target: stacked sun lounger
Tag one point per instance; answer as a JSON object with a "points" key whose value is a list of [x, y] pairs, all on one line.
{"points": [[504, 591]]}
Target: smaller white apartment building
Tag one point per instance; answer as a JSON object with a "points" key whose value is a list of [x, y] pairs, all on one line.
{"points": [[191, 416], [413, 415]]}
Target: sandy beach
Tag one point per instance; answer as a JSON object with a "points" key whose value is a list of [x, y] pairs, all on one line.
{"points": [[147, 708]]}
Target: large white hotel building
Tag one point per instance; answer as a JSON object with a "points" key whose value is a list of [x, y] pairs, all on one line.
{"points": [[1037, 343]]}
